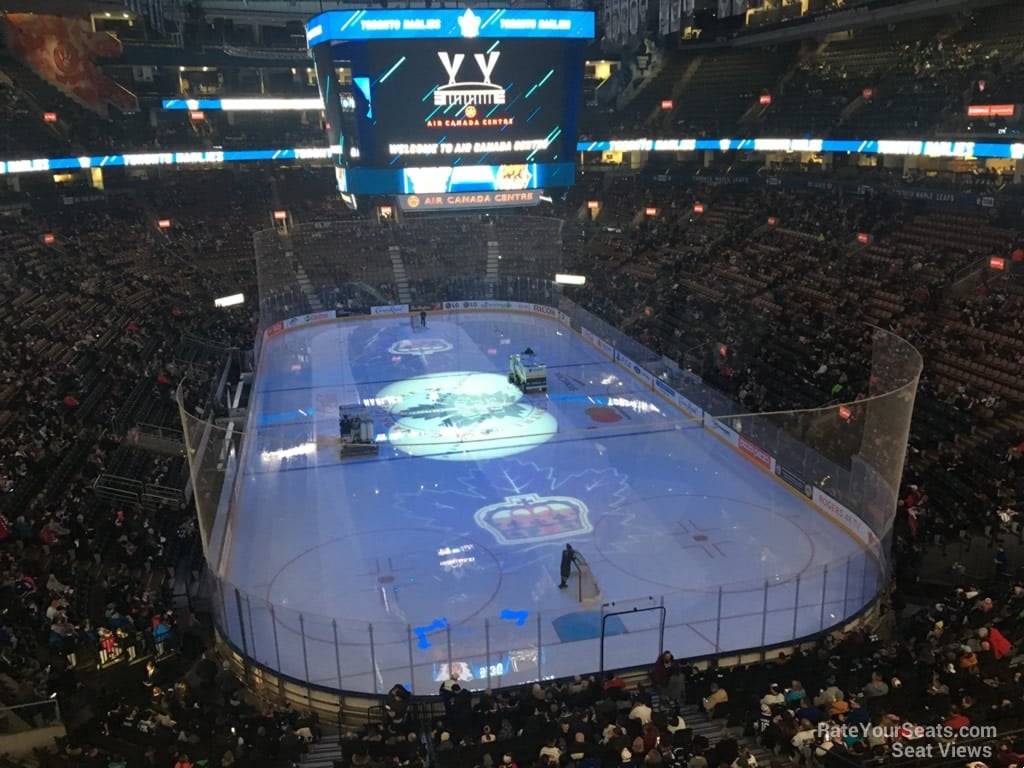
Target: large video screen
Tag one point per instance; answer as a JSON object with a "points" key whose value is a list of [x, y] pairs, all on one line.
{"points": [[451, 101], [473, 102]]}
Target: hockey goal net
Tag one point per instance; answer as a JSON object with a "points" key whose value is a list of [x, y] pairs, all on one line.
{"points": [[588, 590]]}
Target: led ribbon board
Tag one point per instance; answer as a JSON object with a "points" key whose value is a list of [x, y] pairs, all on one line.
{"points": [[367, 24], [899, 148]]}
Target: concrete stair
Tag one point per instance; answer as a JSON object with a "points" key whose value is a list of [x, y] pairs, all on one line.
{"points": [[493, 257], [678, 80], [401, 277], [322, 754], [645, 106], [307, 287], [716, 730]]}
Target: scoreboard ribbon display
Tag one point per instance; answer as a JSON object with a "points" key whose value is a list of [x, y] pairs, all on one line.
{"points": [[368, 24], [453, 101]]}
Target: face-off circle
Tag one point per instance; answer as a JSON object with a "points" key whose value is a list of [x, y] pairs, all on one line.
{"points": [[603, 414], [439, 560], [465, 416]]}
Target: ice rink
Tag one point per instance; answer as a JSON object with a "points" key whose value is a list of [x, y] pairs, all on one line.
{"points": [[361, 573]]}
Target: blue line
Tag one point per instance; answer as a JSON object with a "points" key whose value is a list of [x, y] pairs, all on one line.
{"points": [[554, 440]]}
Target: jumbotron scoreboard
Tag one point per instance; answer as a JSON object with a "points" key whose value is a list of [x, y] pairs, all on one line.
{"points": [[449, 101]]}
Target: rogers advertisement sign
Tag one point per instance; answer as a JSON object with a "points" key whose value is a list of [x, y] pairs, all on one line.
{"points": [[847, 519], [761, 457]]}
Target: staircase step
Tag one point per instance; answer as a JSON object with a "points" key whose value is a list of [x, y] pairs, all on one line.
{"points": [[401, 278], [323, 754]]}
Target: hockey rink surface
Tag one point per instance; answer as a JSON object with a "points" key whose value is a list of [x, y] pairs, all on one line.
{"points": [[366, 572]]}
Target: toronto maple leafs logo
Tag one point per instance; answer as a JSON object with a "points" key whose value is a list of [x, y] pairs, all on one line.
{"points": [[522, 503], [530, 518], [469, 24]]}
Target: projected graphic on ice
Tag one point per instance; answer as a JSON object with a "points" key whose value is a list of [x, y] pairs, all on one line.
{"points": [[463, 416]]}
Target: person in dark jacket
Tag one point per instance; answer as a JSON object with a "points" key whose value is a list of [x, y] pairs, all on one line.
{"points": [[568, 557]]}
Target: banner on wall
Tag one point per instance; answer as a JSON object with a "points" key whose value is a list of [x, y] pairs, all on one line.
{"points": [[313, 317], [793, 479], [624, 23], [641, 373], [598, 342], [848, 520], [681, 402], [688, 405], [543, 309], [390, 309], [63, 51], [635, 369], [761, 457], [665, 389], [519, 306], [721, 429]]}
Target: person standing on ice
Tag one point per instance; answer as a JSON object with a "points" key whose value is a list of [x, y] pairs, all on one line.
{"points": [[568, 558], [423, 319]]}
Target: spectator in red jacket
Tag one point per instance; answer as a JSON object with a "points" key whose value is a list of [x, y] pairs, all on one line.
{"points": [[957, 719], [997, 642]]}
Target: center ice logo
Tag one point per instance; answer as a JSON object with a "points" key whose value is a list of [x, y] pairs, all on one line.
{"points": [[533, 518], [519, 502]]}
